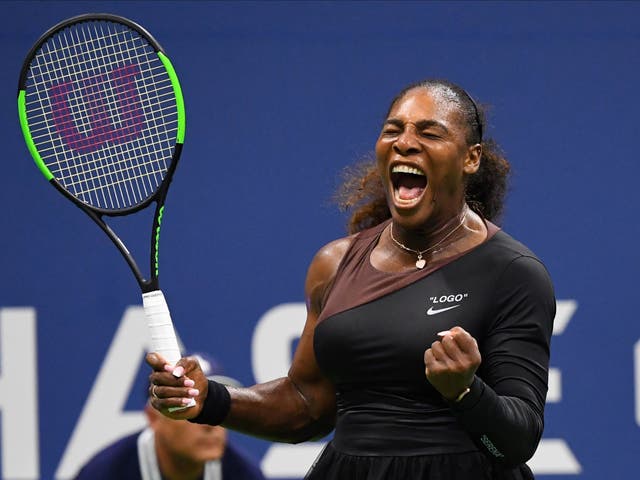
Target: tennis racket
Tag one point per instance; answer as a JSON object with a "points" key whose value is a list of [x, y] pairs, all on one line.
{"points": [[102, 114]]}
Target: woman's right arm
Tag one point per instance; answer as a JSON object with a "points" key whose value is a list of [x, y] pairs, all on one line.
{"points": [[292, 409]]}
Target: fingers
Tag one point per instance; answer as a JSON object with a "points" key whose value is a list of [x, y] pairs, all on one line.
{"points": [[451, 362], [172, 406], [463, 342], [447, 350], [166, 379], [155, 361], [429, 358], [157, 392], [168, 393], [174, 387], [158, 363]]}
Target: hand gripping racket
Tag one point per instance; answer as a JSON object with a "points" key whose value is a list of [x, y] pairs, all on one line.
{"points": [[102, 114]]}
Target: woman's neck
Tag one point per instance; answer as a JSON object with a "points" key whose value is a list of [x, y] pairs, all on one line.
{"points": [[430, 236]]}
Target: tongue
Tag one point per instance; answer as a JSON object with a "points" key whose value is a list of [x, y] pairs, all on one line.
{"points": [[409, 193], [410, 187]]}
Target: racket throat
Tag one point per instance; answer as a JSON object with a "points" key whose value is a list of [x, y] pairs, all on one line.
{"points": [[148, 286]]}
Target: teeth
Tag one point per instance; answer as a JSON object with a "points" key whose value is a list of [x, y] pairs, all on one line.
{"points": [[407, 169]]}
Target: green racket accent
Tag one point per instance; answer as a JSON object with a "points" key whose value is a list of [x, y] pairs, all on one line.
{"points": [[24, 124], [178, 92], [160, 212]]}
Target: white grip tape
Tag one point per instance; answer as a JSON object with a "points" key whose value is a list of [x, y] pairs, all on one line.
{"points": [[163, 336]]}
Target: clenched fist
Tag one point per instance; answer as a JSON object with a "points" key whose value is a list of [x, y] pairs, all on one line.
{"points": [[451, 362]]}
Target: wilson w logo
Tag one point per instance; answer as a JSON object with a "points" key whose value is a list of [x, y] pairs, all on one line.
{"points": [[97, 110]]}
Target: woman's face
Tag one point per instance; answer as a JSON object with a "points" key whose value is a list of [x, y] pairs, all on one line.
{"points": [[423, 158]]}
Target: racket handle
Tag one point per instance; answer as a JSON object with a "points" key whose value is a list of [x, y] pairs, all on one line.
{"points": [[163, 336]]}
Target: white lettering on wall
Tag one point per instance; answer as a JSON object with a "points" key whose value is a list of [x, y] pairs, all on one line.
{"points": [[275, 331], [103, 420], [19, 394], [636, 369], [554, 456]]}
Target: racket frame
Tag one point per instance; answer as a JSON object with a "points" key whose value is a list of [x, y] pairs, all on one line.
{"points": [[159, 196]]}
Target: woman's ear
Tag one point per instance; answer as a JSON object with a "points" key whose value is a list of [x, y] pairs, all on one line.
{"points": [[472, 162]]}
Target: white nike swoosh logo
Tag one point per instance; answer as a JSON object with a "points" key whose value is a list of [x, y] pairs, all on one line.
{"points": [[435, 311]]}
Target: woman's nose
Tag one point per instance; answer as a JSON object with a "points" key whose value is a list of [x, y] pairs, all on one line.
{"points": [[407, 142]]}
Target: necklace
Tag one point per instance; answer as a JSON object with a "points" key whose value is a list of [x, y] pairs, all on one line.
{"points": [[421, 262]]}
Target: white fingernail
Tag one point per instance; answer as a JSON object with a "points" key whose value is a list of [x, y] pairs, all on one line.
{"points": [[177, 372], [444, 332]]}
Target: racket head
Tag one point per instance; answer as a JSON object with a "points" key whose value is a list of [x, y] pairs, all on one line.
{"points": [[102, 112]]}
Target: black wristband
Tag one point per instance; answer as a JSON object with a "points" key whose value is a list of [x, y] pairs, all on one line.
{"points": [[216, 405]]}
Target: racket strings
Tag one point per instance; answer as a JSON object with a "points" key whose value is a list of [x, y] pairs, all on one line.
{"points": [[103, 115], [117, 182], [117, 177]]}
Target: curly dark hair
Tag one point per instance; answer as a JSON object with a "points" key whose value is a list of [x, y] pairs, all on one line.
{"points": [[362, 192]]}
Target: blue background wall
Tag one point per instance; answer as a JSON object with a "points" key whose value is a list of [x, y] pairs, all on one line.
{"points": [[280, 97]]}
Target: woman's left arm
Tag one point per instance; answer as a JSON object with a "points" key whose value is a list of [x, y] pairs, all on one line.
{"points": [[498, 391]]}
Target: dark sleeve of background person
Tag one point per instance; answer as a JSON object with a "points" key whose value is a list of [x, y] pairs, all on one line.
{"points": [[237, 466], [118, 461]]}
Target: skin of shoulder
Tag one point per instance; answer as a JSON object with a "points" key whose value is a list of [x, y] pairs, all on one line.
{"points": [[322, 272], [314, 389]]}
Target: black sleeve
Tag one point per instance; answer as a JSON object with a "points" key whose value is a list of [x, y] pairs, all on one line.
{"points": [[504, 410]]}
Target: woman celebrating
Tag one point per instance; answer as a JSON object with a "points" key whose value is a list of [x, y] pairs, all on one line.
{"points": [[426, 344]]}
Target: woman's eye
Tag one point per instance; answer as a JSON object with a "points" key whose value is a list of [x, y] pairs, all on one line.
{"points": [[429, 134]]}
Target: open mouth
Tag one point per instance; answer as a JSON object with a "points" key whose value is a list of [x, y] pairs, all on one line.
{"points": [[409, 183]]}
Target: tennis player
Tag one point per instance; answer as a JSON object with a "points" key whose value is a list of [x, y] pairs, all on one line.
{"points": [[426, 345]]}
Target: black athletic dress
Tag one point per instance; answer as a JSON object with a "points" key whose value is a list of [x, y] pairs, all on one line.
{"points": [[370, 341]]}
